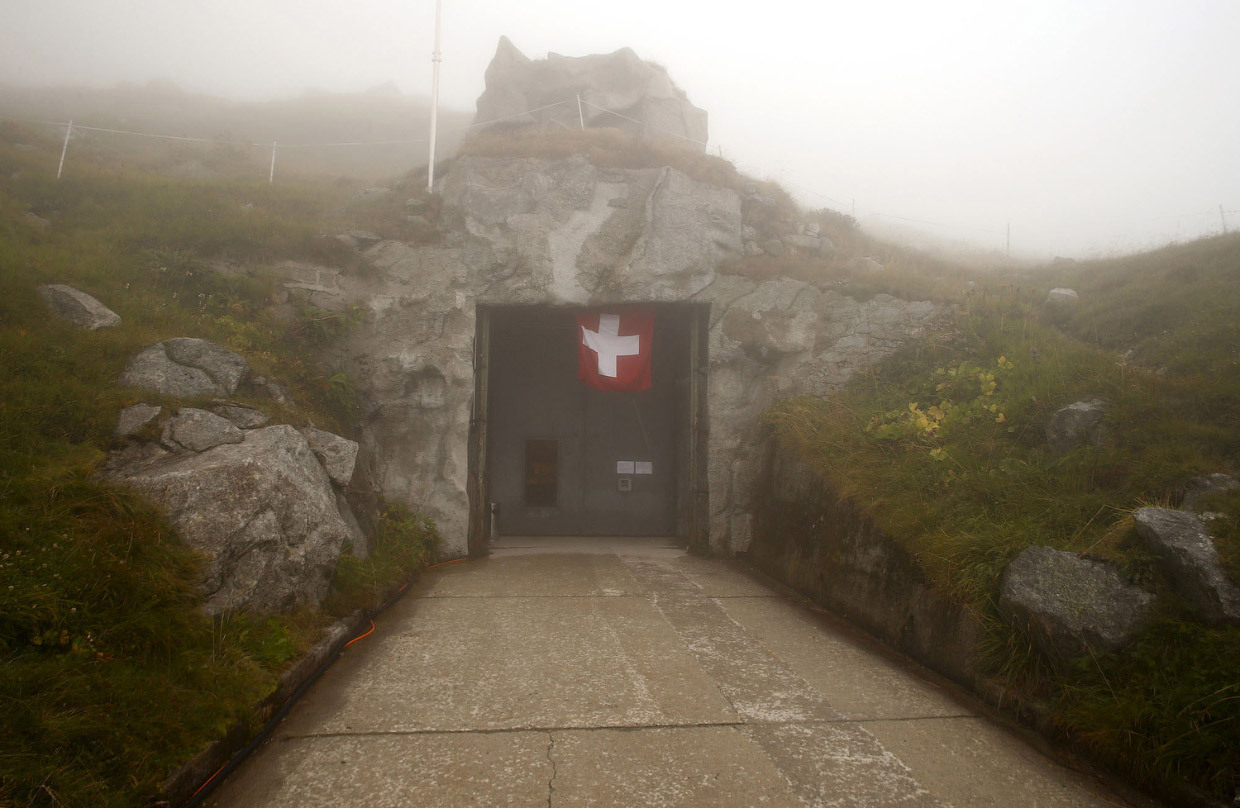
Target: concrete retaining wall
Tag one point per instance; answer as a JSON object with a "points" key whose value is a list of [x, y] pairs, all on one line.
{"points": [[806, 536]]}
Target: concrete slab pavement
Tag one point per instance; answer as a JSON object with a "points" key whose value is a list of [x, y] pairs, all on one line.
{"points": [[623, 672]]}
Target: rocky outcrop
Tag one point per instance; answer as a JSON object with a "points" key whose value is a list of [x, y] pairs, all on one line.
{"points": [[1077, 424], [526, 231], [617, 90], [1071, 605], [185, 367], [78, 307], [1189, 560], [261, 510]]}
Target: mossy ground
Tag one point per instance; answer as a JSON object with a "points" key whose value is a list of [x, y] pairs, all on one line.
{"points": [[943, 446], [110, 675]]}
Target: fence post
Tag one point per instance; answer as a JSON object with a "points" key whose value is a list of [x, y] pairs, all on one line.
{"points": [[580, 115], [1223, 218], [436, 58], [271, 178], [65, 149]]}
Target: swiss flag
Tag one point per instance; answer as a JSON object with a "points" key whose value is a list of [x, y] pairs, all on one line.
{"points": [[613, 348]]}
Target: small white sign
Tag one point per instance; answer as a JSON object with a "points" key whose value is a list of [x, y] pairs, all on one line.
{"points": [[624, 467], [645, 467]]}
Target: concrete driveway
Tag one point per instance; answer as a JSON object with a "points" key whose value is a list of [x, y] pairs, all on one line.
{"points": [[626, 673]]}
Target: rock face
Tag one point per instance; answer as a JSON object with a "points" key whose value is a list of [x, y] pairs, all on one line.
{"points": [[262, 510], [1077, 424], [241, 415], [519, 89], [1071, 605], [1190, 561], [78, 307], [524, 231], [185, 367]]}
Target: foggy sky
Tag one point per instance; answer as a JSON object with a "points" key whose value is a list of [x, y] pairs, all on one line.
{"points": [[1091, 127]]}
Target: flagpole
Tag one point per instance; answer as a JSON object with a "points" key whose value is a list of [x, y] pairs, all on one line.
{"points": [[435, 60]]}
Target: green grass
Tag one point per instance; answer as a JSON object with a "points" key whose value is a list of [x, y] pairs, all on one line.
{"points": [[110, 675], [943, 446]]}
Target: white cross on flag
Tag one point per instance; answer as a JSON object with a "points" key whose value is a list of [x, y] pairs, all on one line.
{"points": [[613, 348]]}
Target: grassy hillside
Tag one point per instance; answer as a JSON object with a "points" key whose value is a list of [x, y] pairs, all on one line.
{"points": [[943, 446], [110, 676], [381, 117]]}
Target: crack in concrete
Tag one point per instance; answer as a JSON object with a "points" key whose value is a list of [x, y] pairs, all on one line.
{"points": [[554, 772], [805, 722]]}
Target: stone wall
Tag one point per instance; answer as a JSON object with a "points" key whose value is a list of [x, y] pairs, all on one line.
{"points": [[822, 546], [566, 232]]}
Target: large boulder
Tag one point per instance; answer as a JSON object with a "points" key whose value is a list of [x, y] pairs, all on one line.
{"points": [[185, 367], [1189, 559], [1077, 424], [1071, 605], [78, 307], [262, 511], [617, 90]]}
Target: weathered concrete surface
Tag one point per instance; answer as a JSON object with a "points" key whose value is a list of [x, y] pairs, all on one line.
{"points": [[617, 673]]}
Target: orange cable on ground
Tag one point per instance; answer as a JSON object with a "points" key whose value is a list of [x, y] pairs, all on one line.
{"points": [[446, 563], [361, 636], [209, 779]]}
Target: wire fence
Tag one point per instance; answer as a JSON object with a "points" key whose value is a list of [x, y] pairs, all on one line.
{"points": [[1204, 221]]}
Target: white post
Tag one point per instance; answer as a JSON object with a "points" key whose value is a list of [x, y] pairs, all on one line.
{"points": [[271, 178], [64, 150], [580, 115], [435, 60], [1222, 218]]}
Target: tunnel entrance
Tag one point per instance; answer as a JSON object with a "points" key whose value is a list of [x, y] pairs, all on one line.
{"points": [[551, 455]]}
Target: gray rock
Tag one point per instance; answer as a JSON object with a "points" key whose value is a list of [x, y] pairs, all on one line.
{"points": [[364, 238], [1062, 302], [813, 229], [338, 455], [357, 537], [78, 307], [1071, 605], [420, 222], [226, 368], [134, 417], [1207, 485], [805, 243], [774, 247], [346, 240], [868, 264], [751, 249], [242, 415], [518, 89], [1189, 560], [263, 387], [262, 511], [185, 367], [1077, 424], [36, 221], [199, 430]]}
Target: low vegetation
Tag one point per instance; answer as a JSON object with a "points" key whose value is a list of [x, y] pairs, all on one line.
{"points": [[943, 447], [110, 675]]}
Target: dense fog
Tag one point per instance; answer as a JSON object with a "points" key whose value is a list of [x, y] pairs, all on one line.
{"points": [[1087, 128]]}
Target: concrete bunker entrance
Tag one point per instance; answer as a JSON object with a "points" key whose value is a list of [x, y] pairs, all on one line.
{"points": [[551, 456]]}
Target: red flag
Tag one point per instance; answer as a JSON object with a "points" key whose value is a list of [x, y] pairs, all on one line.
{"points": [[613, 348]]}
